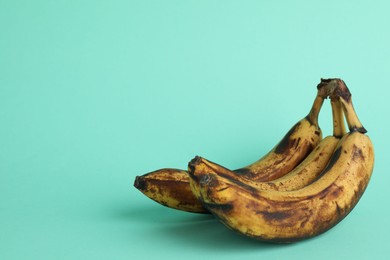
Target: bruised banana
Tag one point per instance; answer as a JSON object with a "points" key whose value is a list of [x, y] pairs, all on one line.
{"points": [[288, 216], [171, 187], [304, 174]]}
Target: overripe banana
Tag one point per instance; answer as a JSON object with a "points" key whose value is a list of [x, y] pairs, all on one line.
{"points": [[171, 188], [305, 173], [287, 216]]}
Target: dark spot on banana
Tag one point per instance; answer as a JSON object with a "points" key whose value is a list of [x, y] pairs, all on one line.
{"points": [[304, 221], [321, 195], [333, 159], [238, 182], [271, 184], [278, 215], [252, 205], [357, 153], [339, 210], [330, 193], [286, 143], [297, 142], [335, 193], [309, 120], [242, 171], [218, 207], [140, 183], [206, 180], [222, 189]]}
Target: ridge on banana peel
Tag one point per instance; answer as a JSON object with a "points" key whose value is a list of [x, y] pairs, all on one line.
{"points": [[171, 187], [302, 175], [288, 216]]}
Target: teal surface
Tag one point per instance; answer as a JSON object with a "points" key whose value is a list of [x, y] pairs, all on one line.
{"points": [[93, 93]]}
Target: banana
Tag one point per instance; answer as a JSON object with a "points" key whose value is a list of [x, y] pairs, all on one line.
{"points": [[169, 187], [305, 173], [288, 216], [295, 146]]}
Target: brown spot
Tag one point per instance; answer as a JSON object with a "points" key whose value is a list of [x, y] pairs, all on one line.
{"points": [[242, 171], [275, 216], [286, 143], [218, 207], [297, 142], [306, 217], [309, 120], [332, 192], [238, 182], [335, 156], [357, 153], [222, 189], [252, 205], [273, 185], [335, 193], [317, 133], [321, 195], [339, 209]]}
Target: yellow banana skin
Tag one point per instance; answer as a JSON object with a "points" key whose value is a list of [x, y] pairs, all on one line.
{"points": [[294, 215]]}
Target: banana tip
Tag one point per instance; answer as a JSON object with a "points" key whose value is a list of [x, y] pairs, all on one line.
{"points": [[139, 183], [193, 163], [359, 129]]}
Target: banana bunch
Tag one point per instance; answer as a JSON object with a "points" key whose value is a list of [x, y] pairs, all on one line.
{"points": [[301, 188]]}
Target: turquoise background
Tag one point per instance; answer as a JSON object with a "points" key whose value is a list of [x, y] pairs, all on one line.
{"points": [[93, 93]]}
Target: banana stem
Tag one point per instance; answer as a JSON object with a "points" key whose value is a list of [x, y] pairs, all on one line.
{"points": [[344, 96], [315, 110], [336, 89], [338, 118]]}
